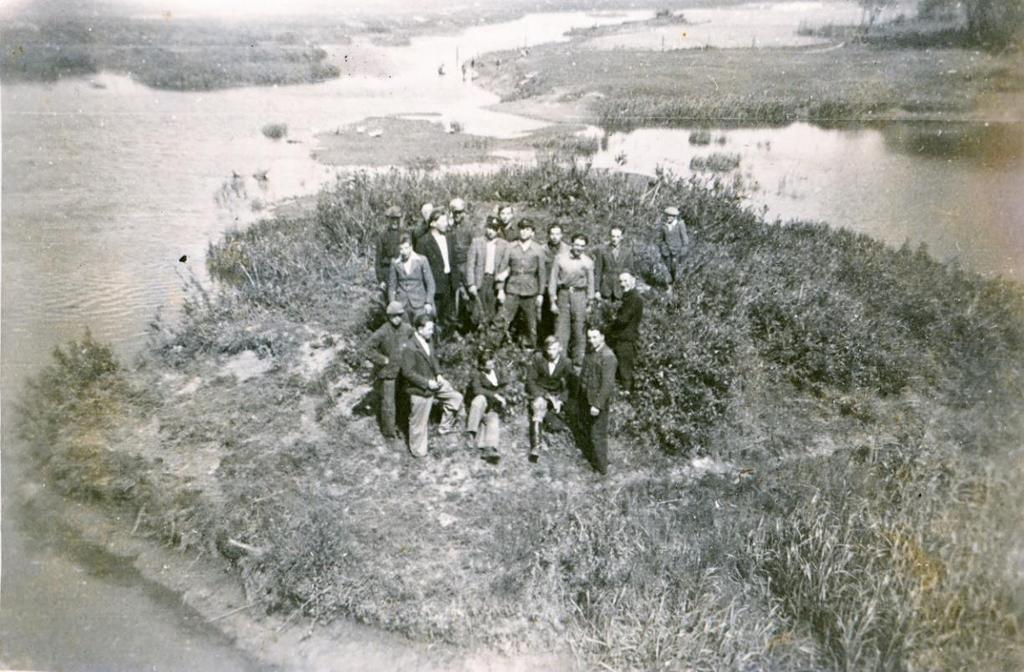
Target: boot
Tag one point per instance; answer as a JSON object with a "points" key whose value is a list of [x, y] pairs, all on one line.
{"points": [[535, 438]]}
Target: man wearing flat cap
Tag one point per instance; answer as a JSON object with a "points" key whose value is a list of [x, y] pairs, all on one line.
{"points": [[387, 245], [384, 349], [672, 243]]}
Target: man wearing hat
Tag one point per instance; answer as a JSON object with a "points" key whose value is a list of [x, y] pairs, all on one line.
{"points": [[384, 349], [460, 233], [387, 245], [672, 242]]}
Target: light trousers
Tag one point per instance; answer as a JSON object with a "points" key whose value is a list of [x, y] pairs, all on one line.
{"points": [[489, 435], [419, 417]]}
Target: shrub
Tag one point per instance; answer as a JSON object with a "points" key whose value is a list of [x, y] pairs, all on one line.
{"points": [[275, 131]]}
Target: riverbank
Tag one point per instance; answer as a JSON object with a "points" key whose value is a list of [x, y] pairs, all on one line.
{"points": [[621, 88], [813, 400]]}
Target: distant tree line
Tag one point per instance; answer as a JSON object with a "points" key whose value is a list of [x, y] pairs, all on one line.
{"points": [[996, 23]]}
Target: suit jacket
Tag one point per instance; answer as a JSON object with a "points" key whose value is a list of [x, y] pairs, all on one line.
{"points": [[387, 249], [625, 327], [429, 248], [384, 349], [418, 368], [479, 385], [413, 289], [597, 378], [607, 269], [672, 243], [527, 270], [459, 240], [477, 257], [540, 383]]}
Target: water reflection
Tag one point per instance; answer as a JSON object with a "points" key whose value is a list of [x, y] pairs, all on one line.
{"points": [[955, 188]]}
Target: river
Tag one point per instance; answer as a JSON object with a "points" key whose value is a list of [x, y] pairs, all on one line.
{"points": [[112, 192]]}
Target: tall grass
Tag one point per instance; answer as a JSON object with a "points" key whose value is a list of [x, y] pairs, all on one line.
{"points": [[856, 409]]}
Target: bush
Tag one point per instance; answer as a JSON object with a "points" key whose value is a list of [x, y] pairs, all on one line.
{"points": [[275, 131]]}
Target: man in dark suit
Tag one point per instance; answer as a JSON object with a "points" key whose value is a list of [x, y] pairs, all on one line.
{"points": [[424, 383], [673, 243], [410, 281], [547, 387], [384, 349], [609, 262], [596, 387], [436, 247], [623, 334], [387, 245]]}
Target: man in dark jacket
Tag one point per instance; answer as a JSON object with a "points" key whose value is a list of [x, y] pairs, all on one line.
{"points": [[547, 387], [424, 383], [487, 402], [440, 253], [609, 262], [596, 387], [673, 242], [387, 245], [384, 349], [623, 334], [410, 281]]}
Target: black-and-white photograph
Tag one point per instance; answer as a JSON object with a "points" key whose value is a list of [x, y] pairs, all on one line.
{"points": [[512, 335]]}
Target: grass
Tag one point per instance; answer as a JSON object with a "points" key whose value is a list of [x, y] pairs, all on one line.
{"points": [[820, 471], [184, 54], [275, 131], [755, 86]]}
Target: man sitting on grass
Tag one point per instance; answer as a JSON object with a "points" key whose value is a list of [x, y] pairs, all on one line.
{"points": [[547, 386], [487, 401], [424, 383]]}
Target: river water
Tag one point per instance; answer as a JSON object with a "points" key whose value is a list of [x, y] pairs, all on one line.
{"points": [[112, 192]]}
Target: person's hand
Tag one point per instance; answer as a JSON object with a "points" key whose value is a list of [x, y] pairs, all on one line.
{"points": [[540, 300], [501, 400], [383, 285], [556, 404], [386, 360], [554, 308], [433, 385], [501, 296], [597, 296], [472, 290], [594, 411]]}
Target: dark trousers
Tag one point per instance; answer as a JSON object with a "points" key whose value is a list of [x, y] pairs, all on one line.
{"points": [[444, 302], [548, 320], [488, 300], [386, 407], [625, 353], [595, 437], [674, 263], [528, 306]]}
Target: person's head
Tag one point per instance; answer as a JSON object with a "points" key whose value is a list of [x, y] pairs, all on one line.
{"points": [[405, 246], [627, 281], [426, 210], [505, 214], [395, 312], [458, 209], [554, 234], [616, 235], [579, 244], [671, 214], [394, 216], [552, 348], [491, 228], [595, 337], [425, 326], [525, 230], [438, 221], [485, 360]]}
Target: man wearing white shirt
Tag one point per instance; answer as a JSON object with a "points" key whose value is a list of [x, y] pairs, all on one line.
{"points": [[486, 271], [436, 247]]}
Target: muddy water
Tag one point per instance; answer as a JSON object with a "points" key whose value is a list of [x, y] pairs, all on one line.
{"points": [[955, 188]]}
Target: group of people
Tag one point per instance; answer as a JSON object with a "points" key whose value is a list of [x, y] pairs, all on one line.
{"points": [[440, 280]]}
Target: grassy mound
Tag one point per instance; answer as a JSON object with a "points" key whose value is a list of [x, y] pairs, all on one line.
{"points": [[819, 469]]}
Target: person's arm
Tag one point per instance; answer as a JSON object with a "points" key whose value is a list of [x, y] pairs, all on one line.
{"points": [[381, 269], [392, 282], [663, 249], [599, 271], [472, 282], [409, 371], [684, 234], [553, 285], [604, 394], [428, 281], [372, 349], [591, 289], [541, 276]]}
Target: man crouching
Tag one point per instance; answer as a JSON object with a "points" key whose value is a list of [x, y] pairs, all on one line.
{"points": [[424, 383]]}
